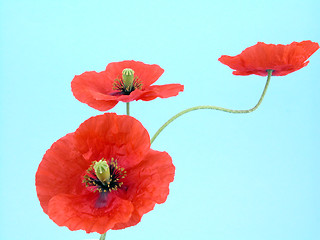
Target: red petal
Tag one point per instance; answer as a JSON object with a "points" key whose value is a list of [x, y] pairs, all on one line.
{"points": [[88, 86], [113, 136], [147, 73], [60, 171], [79, 212], [162, 91], [153, 176], [148, 184]]}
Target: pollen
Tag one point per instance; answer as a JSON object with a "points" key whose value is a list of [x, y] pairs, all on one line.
{"points": [[93, 183]]}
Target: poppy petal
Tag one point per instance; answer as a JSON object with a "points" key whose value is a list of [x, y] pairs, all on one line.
{"points": [[150, 180], [79, 212], [113, 136], [162, 91], [88, 86], [52, 174]]}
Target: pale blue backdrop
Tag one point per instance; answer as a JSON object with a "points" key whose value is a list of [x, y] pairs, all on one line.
{"points": [[238, 177]]}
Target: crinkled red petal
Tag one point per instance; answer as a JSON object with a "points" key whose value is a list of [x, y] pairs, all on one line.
{"points": [[88, 86], [79, 212], [162, 91], [283, 59], [113, 136], [149, 184], [146, 73], [60, 171]]}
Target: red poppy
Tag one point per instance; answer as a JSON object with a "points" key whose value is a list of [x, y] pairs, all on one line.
{"points": [[282, 59], [71, 190], [105, 89]]}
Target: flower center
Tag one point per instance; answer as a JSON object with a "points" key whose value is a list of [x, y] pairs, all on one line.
{"points": [[104, 176], [127, 83]]}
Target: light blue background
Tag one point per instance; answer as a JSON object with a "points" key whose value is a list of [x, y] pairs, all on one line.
{"points": [[238, 177]]}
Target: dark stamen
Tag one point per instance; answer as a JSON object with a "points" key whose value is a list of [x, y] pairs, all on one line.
{"points": [[118, 85]]}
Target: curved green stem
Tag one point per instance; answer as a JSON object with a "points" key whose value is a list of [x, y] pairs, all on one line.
{"points": [[214, 108], [103, 236], [128, 108]]}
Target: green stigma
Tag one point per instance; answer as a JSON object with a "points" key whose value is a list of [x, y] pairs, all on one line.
{"points": [[102, 171], [128, 77]]}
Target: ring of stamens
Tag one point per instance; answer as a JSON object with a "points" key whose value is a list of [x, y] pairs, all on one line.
{"points": [[118, 85], [93, 183], [127, 83]]}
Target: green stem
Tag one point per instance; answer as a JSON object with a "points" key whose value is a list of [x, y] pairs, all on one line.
{"points": [[103, 236], [214, 108], [128, 109]]}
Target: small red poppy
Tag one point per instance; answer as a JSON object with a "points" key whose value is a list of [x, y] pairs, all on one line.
{"points": [[282, 59], [105, 89], [71, 190]]}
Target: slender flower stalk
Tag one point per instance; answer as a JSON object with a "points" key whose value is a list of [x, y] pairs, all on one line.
{"points": [[128, 108], [214, 108], [103, 236]]}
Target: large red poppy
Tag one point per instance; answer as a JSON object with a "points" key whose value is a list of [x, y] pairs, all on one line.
{"points": [[282, 59], [70, 191], [103, 90]]}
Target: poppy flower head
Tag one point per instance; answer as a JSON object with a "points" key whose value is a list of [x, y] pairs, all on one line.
{"points": [[103, 176], [124, 81], [281, 59]]}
